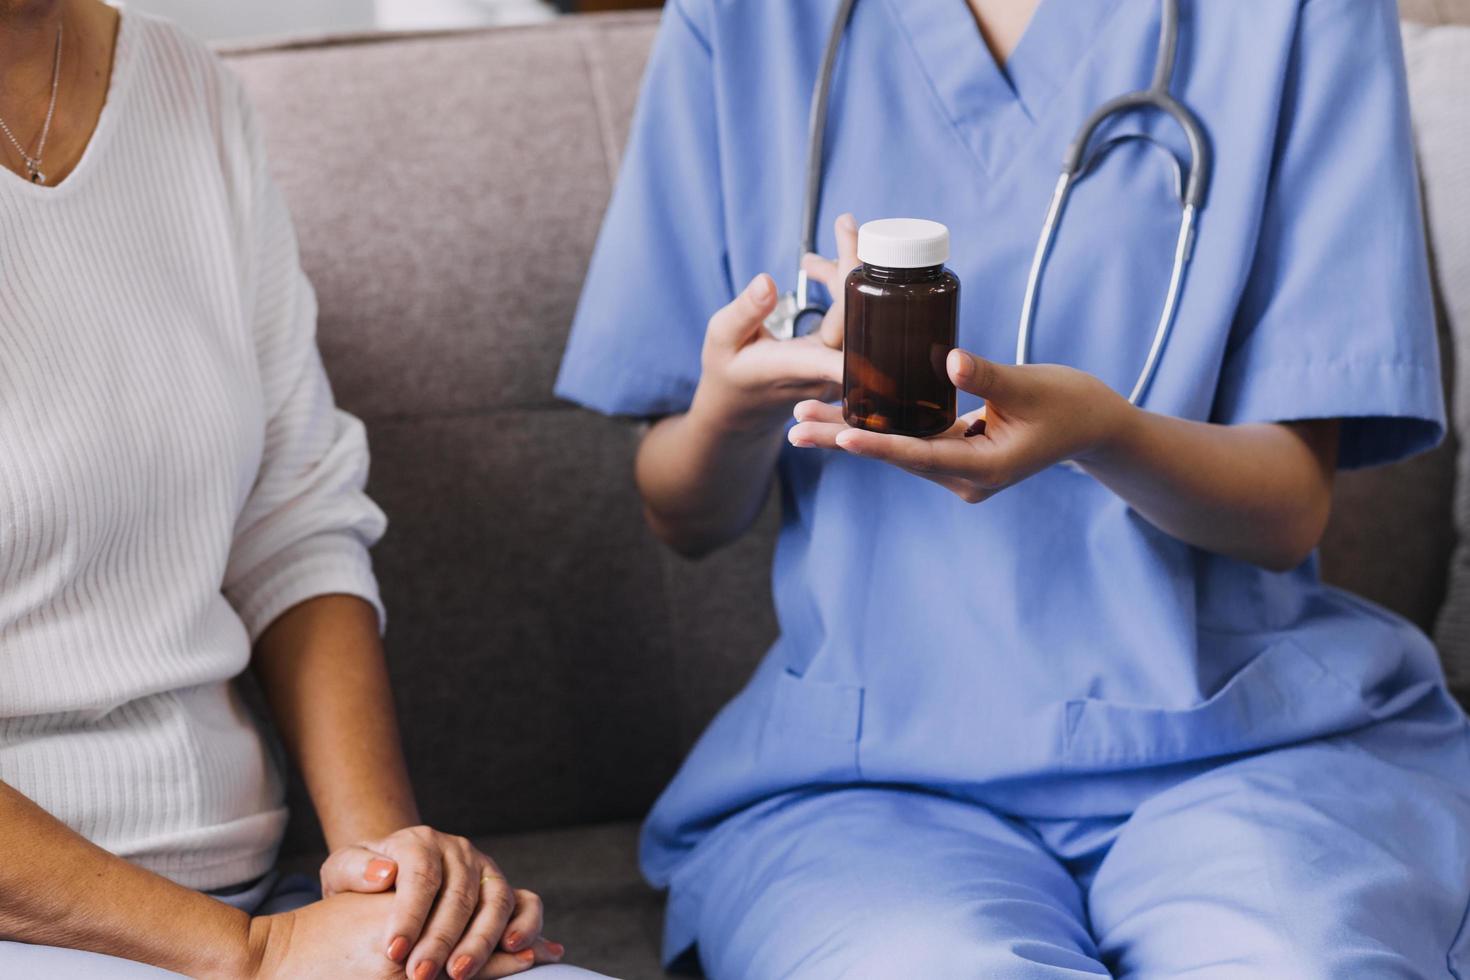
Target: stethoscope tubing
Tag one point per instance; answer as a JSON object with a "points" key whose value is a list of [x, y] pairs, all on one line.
{"points": [[816, 152]]}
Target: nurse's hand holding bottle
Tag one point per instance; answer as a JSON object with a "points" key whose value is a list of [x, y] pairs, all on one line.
{"points": [[1035, 417], [1260, 493], [750, 379], [704, 474]]}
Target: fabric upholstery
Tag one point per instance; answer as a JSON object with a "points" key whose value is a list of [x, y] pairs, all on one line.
{"points": [[1435, 11], [1439, 73], [552, 662]]}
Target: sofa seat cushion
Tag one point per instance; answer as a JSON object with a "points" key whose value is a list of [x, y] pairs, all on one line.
{"points": [[597, 903]]}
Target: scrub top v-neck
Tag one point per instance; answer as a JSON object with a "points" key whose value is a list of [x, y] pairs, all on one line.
{"points": [[1048, 652], [992, 106]]}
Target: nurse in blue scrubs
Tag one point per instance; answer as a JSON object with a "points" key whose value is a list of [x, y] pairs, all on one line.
{"points": [[1026, 720]]}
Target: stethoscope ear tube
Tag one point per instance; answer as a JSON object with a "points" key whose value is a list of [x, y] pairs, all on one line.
{"points": [[1197, 175], [1192, 184], [785, 322]]}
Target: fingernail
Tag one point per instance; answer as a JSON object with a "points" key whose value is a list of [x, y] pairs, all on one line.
{"points": [[555, 949], [961, 365], [803, 444], [378, 870], [461, 968], [526, 956], [424, 971], [760, 288], [848, 222], [398, 949], [977, 428], [512, 941]]}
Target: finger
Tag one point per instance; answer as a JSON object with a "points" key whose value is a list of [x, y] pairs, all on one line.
{"points": [[503, 964], [963, 458], [734, 324], [812, 410], [820, 269], [460, 897], [833, 272], [847, 244], [834, 324], [815, 435], [420, 872], [991, 381], [357, 869], [786, 362], [496, 904], [525, 923]]}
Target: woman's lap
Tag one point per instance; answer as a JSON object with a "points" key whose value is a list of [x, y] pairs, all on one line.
{"points": [[1334, 858], [272, 894], [22, 960]]}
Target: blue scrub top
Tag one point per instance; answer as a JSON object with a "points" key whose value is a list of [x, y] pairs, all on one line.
{"points": [[1049, 651]]}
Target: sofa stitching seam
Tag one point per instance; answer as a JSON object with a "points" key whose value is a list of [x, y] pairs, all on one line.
{"points": [[601, 110]]}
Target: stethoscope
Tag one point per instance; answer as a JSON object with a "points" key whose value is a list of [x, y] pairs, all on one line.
{"points": [[1189, 184]]}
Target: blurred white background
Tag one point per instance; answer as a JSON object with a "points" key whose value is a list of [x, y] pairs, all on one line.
{"points": [[234, 19]]}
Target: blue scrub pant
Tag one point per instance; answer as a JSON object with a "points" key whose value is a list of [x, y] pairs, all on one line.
{"points": [[271, 895], [1341, 858]]}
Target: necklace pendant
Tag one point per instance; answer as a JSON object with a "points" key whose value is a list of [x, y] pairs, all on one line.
{"points": [[37, 177]]}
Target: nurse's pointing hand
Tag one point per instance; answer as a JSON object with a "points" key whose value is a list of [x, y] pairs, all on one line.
{"points": [[1035, 416], [750, 379]]}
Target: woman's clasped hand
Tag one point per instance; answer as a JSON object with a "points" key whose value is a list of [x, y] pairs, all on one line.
{"points": [[416, 903]]}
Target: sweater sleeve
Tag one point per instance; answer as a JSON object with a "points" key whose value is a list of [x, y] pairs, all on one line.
{"points": [[306, 525]]}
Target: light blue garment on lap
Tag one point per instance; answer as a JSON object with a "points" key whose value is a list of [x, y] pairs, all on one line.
{"points": [[1047, 654], [271, 895]]}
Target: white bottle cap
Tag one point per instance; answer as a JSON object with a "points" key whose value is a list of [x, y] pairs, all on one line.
{"points": [[903, 243]]}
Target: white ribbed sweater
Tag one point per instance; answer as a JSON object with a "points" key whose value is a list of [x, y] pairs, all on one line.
{"points": [[173, 473]]}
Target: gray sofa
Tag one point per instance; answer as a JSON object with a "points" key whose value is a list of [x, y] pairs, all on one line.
{"points": [[552, 662]]}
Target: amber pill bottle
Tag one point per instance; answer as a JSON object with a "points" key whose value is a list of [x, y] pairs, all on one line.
{"points": [[902, 311]]}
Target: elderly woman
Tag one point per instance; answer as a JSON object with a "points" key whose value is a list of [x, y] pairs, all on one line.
{"points": [[180, 499]]}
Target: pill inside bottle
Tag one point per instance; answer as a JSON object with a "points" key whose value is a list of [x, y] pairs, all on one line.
{"points": [[902, 311]]}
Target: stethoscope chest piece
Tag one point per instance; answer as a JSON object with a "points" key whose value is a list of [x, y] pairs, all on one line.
{"points": [[795, 314]]}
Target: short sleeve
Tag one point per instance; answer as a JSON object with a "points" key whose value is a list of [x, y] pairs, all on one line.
{"points": [[660, 268], [1337, 319]]}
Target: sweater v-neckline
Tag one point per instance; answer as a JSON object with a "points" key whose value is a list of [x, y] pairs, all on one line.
{"points": [[117, 85]]}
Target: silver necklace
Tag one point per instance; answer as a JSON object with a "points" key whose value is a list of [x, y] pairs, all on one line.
{"points": [[33, 163]]}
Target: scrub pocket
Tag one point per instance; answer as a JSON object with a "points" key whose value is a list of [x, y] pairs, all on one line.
{"points": [[1283, 694], [815, 727]]}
